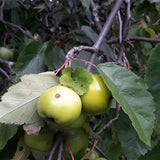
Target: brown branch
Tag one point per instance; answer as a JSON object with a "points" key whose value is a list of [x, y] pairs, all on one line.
{"points": [[112, 120], [13, 25], [108, 24], [144, 39]]}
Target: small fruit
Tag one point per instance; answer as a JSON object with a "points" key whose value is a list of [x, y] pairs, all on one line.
{"points": [[101, 158], [95, 100], [76, 139], [41, 141], [89, 154], [77, 123], [6, 53], [60, 105]]}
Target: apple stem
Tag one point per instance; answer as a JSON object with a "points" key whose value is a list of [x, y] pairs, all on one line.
{"points": [[60, 149], [66, 61], [69, 149], [55, 145], [79, 59]]}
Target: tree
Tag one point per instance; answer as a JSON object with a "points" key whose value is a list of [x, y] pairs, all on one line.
{"points": [[62, 42]]}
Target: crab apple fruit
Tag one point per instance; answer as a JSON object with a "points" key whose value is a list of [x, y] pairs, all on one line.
{"points": [[6, 53], [76, 139], [95, 100], [59, 104], [77, 123], [41, 141]]}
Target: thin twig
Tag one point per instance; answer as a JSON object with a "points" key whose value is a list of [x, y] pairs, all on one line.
{"points": [[108, 24], [120, 27], [13, 25], [75, 50], [102, 153], [103, 31], [123, 36], [60, 149], [6, 63], [144, 39], [95, 14], [4, 73], [112, 120], [47, 4]]}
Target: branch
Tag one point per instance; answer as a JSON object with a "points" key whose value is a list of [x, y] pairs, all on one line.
{"points": [[101, 152], [4, 73], [112, 120], [145, 39], [47, 4], [13, 25], [60, 149], [125, 31], [95, 14], [75, 50], [108, 24], [101, 37]]}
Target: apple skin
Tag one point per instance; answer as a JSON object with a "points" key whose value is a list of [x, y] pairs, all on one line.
{"points": [[77, 123], [6, 53], [59, 104], [93, 155], [95, 100], [41, 141], [77, 139]]}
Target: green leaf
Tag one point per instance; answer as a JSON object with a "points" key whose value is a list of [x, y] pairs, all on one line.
{"points": [[78, 79], [130, 91], [115, 151], [31, 59], [6, 133], [85, 55], [19, 103], [94, 36], [154, 1], [132, 146], [152, 78], [154, 154], [54, 56], [86, 3]]}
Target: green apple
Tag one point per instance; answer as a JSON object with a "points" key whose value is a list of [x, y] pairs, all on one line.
{"points": [[6, 53], [41, 141], [95, 100], [77, 123], [76, 139], [59, 104]]}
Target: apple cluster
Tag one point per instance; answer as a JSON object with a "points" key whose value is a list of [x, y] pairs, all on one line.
{"points": [[65, 110]]}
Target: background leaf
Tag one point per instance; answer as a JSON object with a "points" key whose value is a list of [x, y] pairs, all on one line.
{"points": [[6, 133], [54, 56], [30, 59], [153, 154], [86, 3], [94, 36], [131, 93], [152, 78], [19, 104]]}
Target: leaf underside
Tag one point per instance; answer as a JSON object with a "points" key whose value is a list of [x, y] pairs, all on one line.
{"points": [[19, 103], [130, 91]]}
